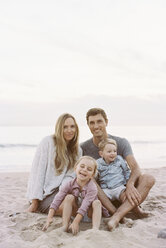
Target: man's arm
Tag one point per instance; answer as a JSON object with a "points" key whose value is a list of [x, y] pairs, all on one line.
{"points": [[131, 192]]}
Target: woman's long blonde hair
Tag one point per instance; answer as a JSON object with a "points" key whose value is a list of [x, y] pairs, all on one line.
{"points": [[66, 154]]}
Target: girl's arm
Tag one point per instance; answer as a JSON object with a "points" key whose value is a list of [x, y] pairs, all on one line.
{"points": [[49, 219], [59, 197], [74, 227]]}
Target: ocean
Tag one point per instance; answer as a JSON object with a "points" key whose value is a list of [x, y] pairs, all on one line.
{"points": [[18, 144]]}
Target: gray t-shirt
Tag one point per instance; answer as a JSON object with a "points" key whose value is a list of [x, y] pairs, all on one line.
{"points": [[90, 149]]}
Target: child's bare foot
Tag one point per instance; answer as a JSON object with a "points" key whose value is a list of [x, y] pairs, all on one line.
{"points": [[128, 222], [105, 220]]}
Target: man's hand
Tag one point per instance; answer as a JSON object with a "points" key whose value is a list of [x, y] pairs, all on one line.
{"points": [[133, 195]]}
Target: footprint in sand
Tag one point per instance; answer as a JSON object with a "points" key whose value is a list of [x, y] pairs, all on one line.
{"points": [[30, 226], [29, 235]]}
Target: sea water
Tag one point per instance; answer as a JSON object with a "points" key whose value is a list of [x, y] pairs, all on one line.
{"points": [[18, 144]]}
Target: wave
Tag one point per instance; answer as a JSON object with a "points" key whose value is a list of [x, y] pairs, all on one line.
{"points": [[148, 142], [139, 142], [17, 145]]}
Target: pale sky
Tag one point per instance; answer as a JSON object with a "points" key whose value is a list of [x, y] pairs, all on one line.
{"points": [[51, 51]]}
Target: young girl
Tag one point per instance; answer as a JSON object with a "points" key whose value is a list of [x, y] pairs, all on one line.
{"points": [[77, 197]]}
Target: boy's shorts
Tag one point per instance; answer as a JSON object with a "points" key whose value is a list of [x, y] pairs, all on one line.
{"points": [[114, 194]]}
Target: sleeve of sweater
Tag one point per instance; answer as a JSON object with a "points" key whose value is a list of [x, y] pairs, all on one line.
{"points": [[60, 196], [90, 196], [80, 152], [38, 171]]}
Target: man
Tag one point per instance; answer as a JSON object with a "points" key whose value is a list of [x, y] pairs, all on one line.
{"points": [[138, 185]]}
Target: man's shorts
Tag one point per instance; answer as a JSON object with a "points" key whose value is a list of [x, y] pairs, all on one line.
{"points": [[114, 194]]}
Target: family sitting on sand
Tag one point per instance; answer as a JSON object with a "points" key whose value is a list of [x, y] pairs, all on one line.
{"points": [[77, 182]]}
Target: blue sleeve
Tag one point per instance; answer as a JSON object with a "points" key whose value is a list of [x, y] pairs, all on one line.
{"points": [[126, 170]]}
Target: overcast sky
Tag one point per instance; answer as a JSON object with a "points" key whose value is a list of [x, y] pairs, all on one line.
{"points": [[72, 54]]}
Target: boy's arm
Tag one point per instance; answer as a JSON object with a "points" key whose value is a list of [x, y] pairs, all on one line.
{"points": [[125, 168]]}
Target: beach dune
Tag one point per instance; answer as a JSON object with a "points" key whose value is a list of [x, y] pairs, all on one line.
{"points": [[21, 229]]}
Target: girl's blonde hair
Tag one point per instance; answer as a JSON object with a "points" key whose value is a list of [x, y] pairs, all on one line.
{"points": [[104, 142], [66, 154], [90, 158]]}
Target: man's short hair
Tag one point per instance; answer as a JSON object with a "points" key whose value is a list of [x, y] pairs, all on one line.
{"points": [[96, 111]]}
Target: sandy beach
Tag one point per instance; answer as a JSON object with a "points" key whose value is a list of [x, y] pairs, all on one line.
{"points": [[21, 229]]}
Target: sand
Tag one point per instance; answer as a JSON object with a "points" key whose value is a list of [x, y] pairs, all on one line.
{"points": [[23, 230]]}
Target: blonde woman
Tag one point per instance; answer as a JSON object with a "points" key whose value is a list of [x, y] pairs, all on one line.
{"points": [[53, 163]]}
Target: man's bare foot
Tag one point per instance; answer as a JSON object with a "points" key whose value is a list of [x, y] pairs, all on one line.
{"points": [[112, 223], [140, 213]]}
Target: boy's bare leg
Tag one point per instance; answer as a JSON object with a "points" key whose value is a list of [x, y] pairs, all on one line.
{"points": [[69, 204], [144, 186], [96, 214]]}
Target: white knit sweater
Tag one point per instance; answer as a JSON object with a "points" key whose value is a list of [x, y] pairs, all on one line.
{"points": [[43, 179]]}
